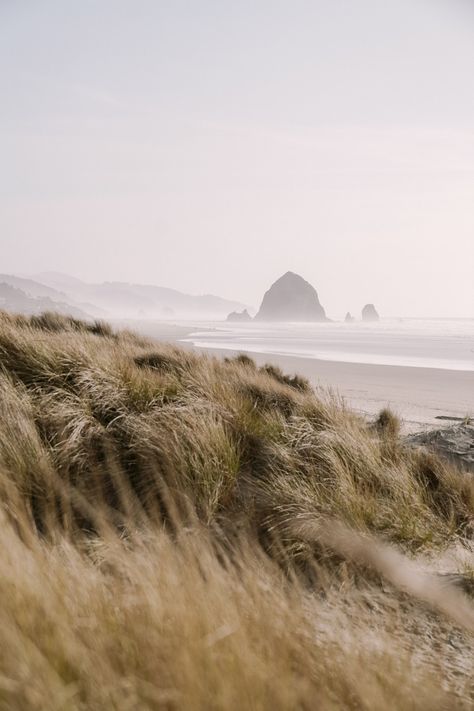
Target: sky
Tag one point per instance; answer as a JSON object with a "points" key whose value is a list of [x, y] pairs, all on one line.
{"points": [[212, 146]]}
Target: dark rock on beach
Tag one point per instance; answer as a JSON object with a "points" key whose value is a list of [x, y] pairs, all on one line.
{"points": [[455, 443]]}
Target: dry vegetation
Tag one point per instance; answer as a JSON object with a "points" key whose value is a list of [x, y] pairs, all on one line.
{"points": [[180, 532]]}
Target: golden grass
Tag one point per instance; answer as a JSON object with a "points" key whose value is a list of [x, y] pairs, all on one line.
{"points": [[180, 532]]}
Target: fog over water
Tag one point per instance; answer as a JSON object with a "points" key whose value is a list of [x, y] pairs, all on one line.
{"points": [[210, 147]]}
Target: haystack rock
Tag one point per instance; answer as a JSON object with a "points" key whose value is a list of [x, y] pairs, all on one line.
{"points": [[291, 298], [349, 318], [369, 313], [239, 316]]}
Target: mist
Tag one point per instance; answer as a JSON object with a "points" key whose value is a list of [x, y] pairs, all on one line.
{"points": [[211, 148]]}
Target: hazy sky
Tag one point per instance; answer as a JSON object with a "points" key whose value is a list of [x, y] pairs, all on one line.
{"points": [[211, 146]]}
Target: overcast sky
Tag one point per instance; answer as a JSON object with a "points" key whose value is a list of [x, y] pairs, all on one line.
{"points": [[211, 146]]}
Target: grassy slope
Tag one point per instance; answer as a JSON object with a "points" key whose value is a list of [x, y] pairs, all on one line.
{"points": [[183, 532]]}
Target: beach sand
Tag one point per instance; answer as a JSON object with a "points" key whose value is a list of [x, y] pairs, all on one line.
{"points": [[418, 395]]}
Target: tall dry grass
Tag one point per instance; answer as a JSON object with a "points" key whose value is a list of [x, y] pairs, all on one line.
{"points": [[180, 532]]}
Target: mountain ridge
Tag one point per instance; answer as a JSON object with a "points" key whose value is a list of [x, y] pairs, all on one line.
{"points": [[132, 300]]}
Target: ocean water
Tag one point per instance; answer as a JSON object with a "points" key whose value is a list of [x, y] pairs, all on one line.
{"points": [[427, 343]]}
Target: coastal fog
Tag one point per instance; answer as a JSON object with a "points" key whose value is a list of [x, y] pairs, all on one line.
{"points": [[209, 149]]}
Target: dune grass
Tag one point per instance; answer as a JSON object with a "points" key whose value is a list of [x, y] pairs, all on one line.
{"points": [[183, 532]]}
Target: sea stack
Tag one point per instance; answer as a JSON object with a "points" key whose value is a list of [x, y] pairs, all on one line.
{"points": [[369, 313], [291, 298], [349, 318], [239, 316]]}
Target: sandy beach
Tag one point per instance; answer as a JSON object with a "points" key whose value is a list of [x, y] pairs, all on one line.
{"points": [[418, 395]]}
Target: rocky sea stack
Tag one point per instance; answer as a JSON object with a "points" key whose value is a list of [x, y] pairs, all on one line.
{"points": [[239, 316], [291, 298], [369, 313]]}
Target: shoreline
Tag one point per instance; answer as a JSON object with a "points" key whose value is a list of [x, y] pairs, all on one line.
{"points": [[416, 394]]}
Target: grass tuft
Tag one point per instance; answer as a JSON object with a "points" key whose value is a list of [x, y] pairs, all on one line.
{"points": [[243, 359], [294, 381], [387, 423]]}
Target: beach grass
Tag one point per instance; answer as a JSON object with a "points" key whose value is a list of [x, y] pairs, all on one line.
{"points": [[185, 532]]}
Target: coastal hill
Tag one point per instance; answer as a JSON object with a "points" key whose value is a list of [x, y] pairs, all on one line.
{"points": [[128, 300], [17, 300], [53, 291], [291, 298]]}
